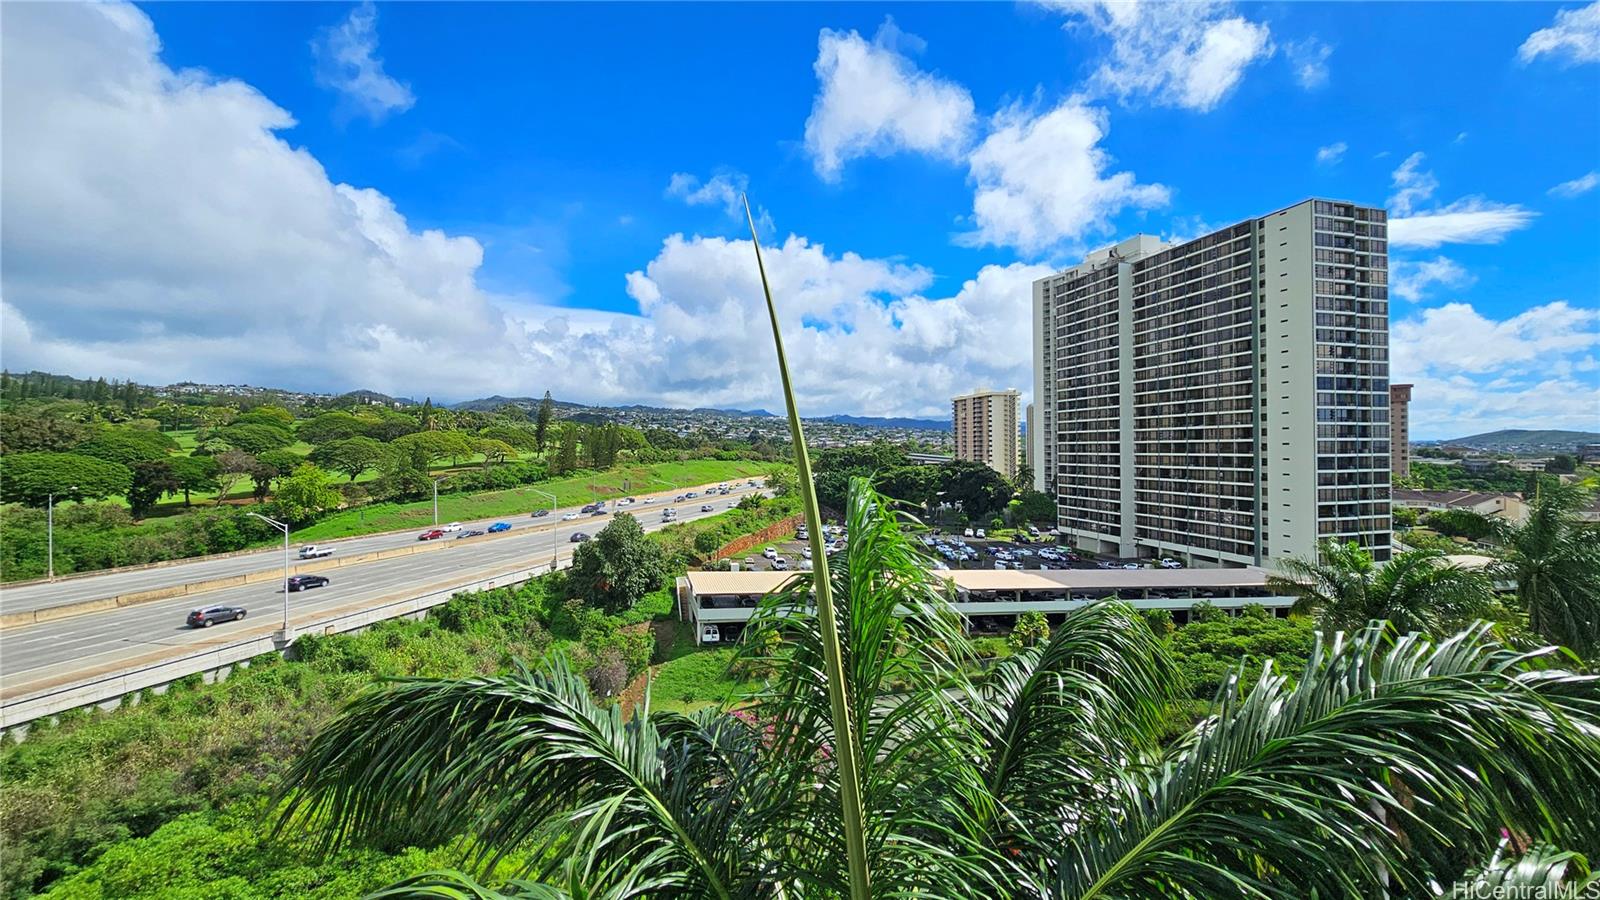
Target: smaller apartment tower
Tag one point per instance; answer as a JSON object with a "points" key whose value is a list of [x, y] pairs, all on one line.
{"points": [[1400, 430], [984, 424]]}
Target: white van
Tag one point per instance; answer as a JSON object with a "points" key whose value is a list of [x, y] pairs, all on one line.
{"points": [[312, 551]]}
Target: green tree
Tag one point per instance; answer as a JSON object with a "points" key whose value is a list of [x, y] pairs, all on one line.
{"points": [[267, 414], [28, 478], [305, 493], [233, 466], [1459, 523], [126, 445], [1562, 464], [194, 473], [429, 447], [494, 451], [1404, 517], [567, 453], [1384, 765], [256, 438], [518, 436], [1031, 628], [977, 488], [271, 465], [782, 482], [618, 567], [36, 431], [350, 456], [1036, 506], [1417, 590], [151, 479], [541, 425], [1554, 558], [328, 427]]}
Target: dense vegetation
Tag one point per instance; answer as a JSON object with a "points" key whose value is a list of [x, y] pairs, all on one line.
{"points": [[175, 477], [957, 492], [166, 798]]}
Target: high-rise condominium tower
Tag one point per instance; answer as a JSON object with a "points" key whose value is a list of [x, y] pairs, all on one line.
{"points": [[1400, 430], [1224, 400], [985, 426]]}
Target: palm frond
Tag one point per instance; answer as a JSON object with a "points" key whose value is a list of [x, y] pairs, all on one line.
{"points": [[530, 759], [1541, 872], [452, 885], [1379, 758]]}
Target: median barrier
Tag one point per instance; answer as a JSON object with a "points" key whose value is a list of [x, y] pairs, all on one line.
{"points": [[99, 604], [107, 685]]}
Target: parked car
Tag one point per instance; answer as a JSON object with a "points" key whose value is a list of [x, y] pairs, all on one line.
{"points": [[769, 553], [780, 564], [579, 537], [569, 517], [967, 533], [307, 582], [1171, 564], [706, 507], [312, 551], [453, 526], [979, 533], [710, 634], [498, 527], [802, 535], [539, 513], [432, 535], [1130, 566], [207, 616], [806, 552], [471, 533], [749, 561]]}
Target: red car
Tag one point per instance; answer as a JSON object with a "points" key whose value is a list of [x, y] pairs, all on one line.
{"points": [[433, 535]]}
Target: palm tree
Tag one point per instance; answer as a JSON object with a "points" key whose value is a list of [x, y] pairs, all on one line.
{"points": [[1554, 558], [1416, 591], [873, 763]]}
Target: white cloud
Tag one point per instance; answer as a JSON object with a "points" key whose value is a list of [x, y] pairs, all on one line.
{"points": [[1310, 61], [1043, 179], [157, 226], [873, 101], [347, 62], [1472, 373], [1410, 280], [724, 188], [1577, 186], [1331, 154], [1573, 38], [1412, 185], [1190, 55], [1470, 220]]}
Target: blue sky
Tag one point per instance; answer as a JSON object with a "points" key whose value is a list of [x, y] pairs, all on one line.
{"points": [[457, 200]]}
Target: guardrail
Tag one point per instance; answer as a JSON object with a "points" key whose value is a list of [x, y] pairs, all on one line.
{"points": [[114, 686]]}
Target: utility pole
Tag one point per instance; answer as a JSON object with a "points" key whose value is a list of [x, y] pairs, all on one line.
{"points": [[284, 527], [436, 498]]}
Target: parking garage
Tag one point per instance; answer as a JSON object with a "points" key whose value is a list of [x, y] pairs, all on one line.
{"points": [[719, 603]]}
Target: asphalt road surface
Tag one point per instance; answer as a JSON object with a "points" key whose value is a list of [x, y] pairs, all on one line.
{"points": [[52, 649], [94, 587]]}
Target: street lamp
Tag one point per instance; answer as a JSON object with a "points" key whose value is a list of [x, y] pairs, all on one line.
{"points": [[554, 553], [436, 498], [284, 527], [50, 531]]}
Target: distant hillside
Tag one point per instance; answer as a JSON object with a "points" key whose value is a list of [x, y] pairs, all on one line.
{"points": [[1518, 440], [490, 404], [891, 422]]}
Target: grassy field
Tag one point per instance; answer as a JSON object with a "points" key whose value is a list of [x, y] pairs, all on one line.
{"points": [[693, 677], [521, 501]]}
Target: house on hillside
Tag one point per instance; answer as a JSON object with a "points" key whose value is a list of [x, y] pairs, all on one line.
{"points": [[1503, 506]]}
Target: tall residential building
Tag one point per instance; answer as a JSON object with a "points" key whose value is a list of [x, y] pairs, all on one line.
{"points": [[1029, 459], [985, 428], [1224, 400], [1400, 430]]}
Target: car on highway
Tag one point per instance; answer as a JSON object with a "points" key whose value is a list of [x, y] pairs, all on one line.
{"points": [[706, 507], [312, 551], [306, 582], [498, 527], [692, 494], [649, 500], [569, 517], [431, 535], [579, 537], [601, 512], [453, 526], [207, 616], [539, 514], [469, 533]]}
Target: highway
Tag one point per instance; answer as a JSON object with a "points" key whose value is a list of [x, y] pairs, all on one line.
{"points": [[50, 651], [93, 587]]}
